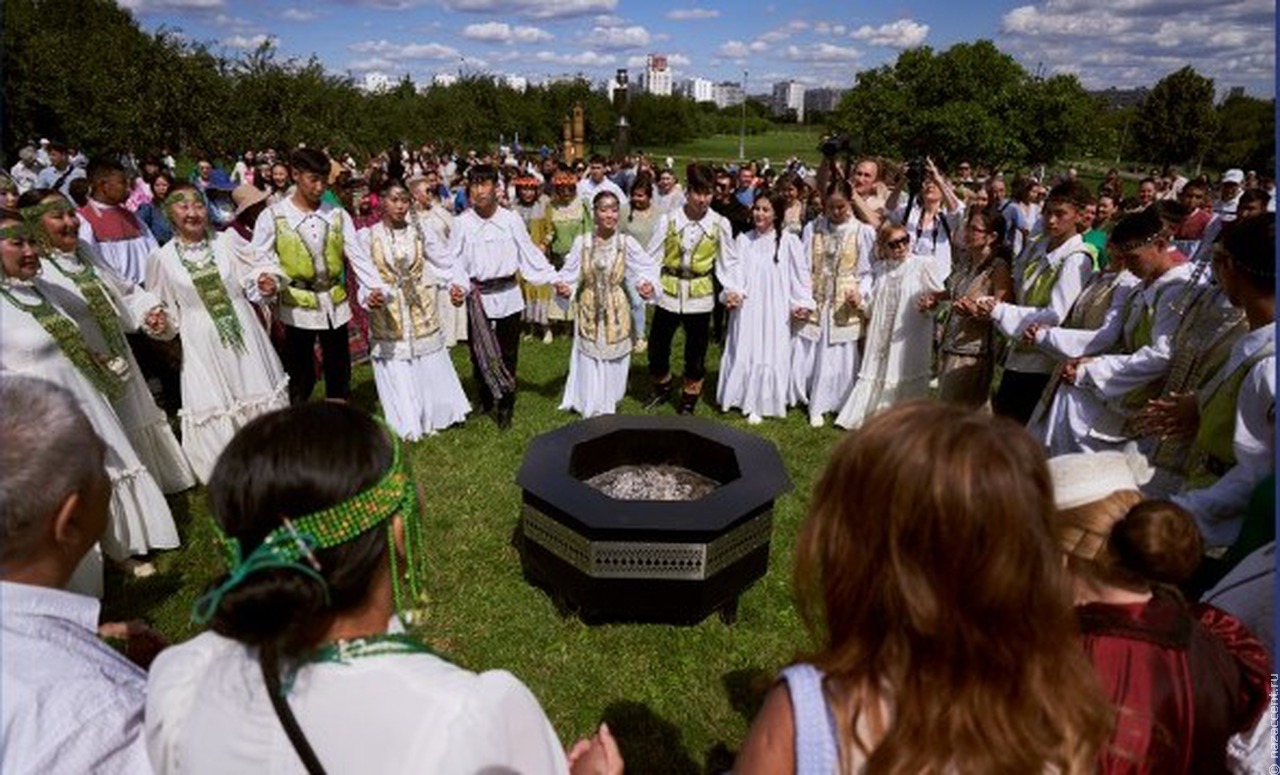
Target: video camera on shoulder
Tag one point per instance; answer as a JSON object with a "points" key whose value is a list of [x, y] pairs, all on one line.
{"points": [[835, 144], [916, 172]]}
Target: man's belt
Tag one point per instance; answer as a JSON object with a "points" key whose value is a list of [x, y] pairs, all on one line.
{"points": [[683, 272], [494, 285], [315, 286], [1217, 466]]}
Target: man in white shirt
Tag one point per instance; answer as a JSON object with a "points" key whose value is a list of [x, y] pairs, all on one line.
{"points": [[119, 236], [1229, 191], [691, 245], [487, 247], [595, 181], [70, 703], [60, 172], [302, 237], [27, 170]]}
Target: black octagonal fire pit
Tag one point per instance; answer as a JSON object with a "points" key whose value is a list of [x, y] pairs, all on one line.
{"points": [[637, 518]]}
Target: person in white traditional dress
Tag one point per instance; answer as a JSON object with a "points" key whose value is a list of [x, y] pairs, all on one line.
{"points": [[417, 385], [898, 357], [117, 306], [230, 371], [49, 333], [772, 288], [595, 274], [435, 214], [321, 495], [123, 240], [824, 346]]}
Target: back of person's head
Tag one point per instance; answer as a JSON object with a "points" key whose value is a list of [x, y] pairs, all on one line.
{"points": [[310, 160], [276, 471], [78, 190], [1111, 536], [48, 452], [927, 571], [1171, 212], [101, 168], [1251, 244]]}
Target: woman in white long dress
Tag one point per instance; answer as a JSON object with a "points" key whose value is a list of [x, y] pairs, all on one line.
{"points": [[230, 372], [771, 288], [117, 305], [824, 347], [49, 333], [417, 384], [594, 274], [899, 349]]}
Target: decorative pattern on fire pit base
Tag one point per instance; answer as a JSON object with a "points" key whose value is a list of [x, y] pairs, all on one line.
{"points": [[646, 559]]}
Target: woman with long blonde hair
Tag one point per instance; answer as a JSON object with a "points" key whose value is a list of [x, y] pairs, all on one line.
{"points": [[929, 578]]}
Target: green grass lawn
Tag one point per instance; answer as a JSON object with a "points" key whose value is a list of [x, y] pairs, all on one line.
{"points": [[776, 146], [678, 698]]}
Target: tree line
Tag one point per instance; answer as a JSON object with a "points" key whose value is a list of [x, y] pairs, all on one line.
{"points": [[83, 71]]}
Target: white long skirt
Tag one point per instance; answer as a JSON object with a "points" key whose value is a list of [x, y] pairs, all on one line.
{"points": [[420, 395], [453, 320], [148, 430], [755, 366], [595, 385], [822, 374]]}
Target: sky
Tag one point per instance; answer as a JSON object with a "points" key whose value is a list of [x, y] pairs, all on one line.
{"points": [[1107, 43]]}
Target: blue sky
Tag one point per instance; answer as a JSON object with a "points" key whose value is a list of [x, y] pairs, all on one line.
{"points": [[1118, 43]]}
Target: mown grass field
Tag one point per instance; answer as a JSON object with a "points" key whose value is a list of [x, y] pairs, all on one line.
{"points": [[777, 147], [678, 698]]}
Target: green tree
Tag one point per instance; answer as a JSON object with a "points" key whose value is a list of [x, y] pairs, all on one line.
{"points": [[1177, 122], [1247, 135]]}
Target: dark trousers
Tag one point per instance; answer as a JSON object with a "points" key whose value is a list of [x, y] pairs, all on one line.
{"points": [[1018, 395], [697, 329], [161, 361], [507, 332], [300, 362]]}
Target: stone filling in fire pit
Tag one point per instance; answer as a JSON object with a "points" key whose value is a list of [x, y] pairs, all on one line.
{"points": [[653, 483]]}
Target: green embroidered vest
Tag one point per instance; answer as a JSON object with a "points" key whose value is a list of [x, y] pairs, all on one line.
{"points": [[295, 259], [701, 264], [1216, 435]]}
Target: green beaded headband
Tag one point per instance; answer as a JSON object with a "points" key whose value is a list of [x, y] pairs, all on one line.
{"points": [[185, 195], [17, 231], [293, 544], [36, 212]]}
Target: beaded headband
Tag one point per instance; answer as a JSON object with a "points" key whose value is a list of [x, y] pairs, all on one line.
{"points": [[17, 231], [293, 544], [185, 195], [564, 179], [50, 205]]}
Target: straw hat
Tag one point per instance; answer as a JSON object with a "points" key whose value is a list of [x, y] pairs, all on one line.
{"points": [[246, 197]]}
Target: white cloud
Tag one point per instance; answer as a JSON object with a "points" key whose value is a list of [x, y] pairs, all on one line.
{"points": [[298, 15], [387, 49], [829, 28], [609, 20], [248, 42], [580, 59], [1127, 43], [501, 32], [371, 64], [823, 53], [535, 9], [784, 32], [736, 49], [634, 36], [692, 14], [903, 33]]}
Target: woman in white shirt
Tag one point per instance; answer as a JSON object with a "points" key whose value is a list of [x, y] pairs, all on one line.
{"points": [[307, 667]]}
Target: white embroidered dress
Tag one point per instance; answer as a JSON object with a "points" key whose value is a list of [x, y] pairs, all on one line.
{"points": [[223, 387]]}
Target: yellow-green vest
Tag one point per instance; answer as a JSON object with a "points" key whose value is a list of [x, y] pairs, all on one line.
{"points": [[295, 259], [701, 264], [1216, 435], [414, 285], [601, 297]]}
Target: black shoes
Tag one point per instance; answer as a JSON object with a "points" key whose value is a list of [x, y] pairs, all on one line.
{"points": [[661, 394], [688, 403], [503, 417]]}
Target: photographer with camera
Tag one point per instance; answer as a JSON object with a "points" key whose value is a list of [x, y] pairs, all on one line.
{"points": [[932, 213]]}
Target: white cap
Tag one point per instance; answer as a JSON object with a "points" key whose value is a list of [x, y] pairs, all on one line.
{"points": [[1088, 477], [1233, 176]]}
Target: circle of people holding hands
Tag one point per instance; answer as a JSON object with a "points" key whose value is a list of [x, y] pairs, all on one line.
{"points": [[1132, 340]]}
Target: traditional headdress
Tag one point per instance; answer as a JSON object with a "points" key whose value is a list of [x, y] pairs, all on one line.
{"points": [[564, 178], [293, 544], [525, 181]]}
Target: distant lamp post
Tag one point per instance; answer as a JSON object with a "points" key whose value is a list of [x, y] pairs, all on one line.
{"points": [[622, 142], [742, 127]]}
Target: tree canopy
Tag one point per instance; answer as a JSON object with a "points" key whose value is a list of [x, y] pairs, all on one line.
{"points": [[972, 102], [1177, 121]]}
